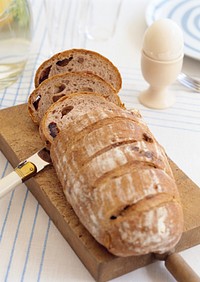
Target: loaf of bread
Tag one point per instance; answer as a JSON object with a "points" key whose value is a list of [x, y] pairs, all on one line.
{"points": [[53, 88], [67, 109], [79, 60], [118, 180], [114, 173]]}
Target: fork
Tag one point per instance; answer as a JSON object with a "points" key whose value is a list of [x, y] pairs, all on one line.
{"points": [[189, 82]]}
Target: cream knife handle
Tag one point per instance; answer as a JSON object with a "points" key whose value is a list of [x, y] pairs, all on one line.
{"points": [[22, 172], [9, 182]]}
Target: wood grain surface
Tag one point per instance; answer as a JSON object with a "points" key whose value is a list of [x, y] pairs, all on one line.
{"points": [[19, 139]]}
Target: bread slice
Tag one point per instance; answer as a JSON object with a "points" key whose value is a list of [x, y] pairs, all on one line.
{"points": [[80, 60], [67, 109], [53, 88]]}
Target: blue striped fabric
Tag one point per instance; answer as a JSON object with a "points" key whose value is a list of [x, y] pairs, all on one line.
{"points": [[31, 248]]}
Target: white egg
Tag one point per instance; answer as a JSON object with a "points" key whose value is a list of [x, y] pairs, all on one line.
{"points": [[163, 41]]}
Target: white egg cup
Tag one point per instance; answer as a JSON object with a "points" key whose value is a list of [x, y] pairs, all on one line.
{"points": [[159, 75]]}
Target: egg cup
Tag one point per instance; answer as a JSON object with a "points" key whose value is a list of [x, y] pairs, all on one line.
{"points": [[159, 75]]}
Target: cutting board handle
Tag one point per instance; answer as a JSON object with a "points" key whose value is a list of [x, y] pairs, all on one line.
{"points": [[181, 271]]}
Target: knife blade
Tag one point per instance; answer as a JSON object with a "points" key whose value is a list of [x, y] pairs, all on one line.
{"points": [[25, 170]]}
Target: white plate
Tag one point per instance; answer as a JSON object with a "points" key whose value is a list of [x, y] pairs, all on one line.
{"points": [[186, 13]]}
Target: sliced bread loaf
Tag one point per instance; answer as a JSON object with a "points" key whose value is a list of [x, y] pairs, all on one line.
{"points": [[80, 60], [118, 180], [53, 88], [67, 109]]}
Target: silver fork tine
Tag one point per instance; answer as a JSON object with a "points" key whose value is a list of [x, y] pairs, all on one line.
{"points": [[189, 82]]}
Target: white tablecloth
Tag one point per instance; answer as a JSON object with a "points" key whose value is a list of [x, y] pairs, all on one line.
{"points": [[31, 247]]}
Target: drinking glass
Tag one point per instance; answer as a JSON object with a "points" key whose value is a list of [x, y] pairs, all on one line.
{"points": [[15, 39], [102, 18], [78, 20]]}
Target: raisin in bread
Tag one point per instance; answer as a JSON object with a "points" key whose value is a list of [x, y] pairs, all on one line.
{"points": [[80, 60], [67, 109], [53, 88], [118, 180]]}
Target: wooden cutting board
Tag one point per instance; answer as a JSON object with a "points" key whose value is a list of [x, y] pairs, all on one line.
{"points": [[19, 139]]}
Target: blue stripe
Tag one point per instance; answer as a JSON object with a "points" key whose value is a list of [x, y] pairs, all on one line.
{"points": [[161, 3], [38, 54], [176, 7], [6, 216], [43, 251], [4, 94], [174, 121], [197, 22], [186, 18], [172, 127], [16, 236], [158, 114], [192, 48], [29, 244], [18, 89], [184, 110], [196, 101], [5, 168], [33, 72], [8, 207]]}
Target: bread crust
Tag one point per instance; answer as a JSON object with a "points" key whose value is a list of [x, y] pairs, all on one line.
{"points": [[118, 180], [79, 60]]}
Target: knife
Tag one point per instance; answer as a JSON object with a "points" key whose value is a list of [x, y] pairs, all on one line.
{"points": [[25, 170]]}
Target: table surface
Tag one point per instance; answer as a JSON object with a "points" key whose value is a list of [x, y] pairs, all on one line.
{"points": [[31, 248]]}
